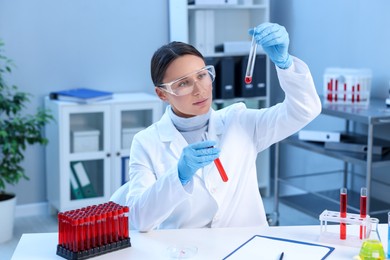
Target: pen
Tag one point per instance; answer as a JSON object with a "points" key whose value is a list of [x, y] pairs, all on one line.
{"points": [[281, 256]]}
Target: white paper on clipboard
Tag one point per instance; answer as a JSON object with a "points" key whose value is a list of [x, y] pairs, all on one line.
{"points": [[265, 247]]}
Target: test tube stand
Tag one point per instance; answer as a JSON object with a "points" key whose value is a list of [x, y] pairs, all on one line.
{"points": [[331, 233]]}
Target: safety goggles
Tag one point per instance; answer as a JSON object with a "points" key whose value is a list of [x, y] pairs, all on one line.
{"points": [[185, 85]]}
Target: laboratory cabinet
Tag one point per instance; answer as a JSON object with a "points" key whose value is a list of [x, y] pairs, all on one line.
{"points": [[313, 192], [208, 25], [89, 146]]}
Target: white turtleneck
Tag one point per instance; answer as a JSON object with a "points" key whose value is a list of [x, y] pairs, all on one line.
{"points": [[192, 128]]}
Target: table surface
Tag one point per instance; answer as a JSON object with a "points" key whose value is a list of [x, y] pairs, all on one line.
{"points": [[215, 243]]}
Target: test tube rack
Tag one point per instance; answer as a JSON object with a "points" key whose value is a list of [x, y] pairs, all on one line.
{"points": [[331, 234], [347, 86], [93, 231]]}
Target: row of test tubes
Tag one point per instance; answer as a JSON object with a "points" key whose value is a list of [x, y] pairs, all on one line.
{"points": [[93, 226], [347, 86]]}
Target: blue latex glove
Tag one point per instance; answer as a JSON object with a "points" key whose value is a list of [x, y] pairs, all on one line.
{"points": [[274, 40], [194, 157]]}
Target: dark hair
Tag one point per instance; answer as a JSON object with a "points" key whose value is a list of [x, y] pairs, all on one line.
{"points": [[165, 55]]}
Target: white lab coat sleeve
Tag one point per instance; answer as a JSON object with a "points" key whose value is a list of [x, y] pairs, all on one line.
{"points": [[151, 200], [300, 106]]}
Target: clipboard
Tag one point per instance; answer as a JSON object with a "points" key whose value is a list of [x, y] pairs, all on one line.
{"points": [[266, 247]]}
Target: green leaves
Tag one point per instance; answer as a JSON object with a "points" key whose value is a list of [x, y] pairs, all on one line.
{"points": [[17, 129]]}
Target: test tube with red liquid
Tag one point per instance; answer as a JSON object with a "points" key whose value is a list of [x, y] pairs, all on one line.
{"points": [[343, 213], [221, 170], [251, 61], [363, 210]]}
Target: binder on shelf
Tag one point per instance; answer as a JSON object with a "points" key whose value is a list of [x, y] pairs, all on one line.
{"points": [[319, 136], [225, 78], [81, 95], [83, 180], [358, 144], [75, 188], [260, 76]]}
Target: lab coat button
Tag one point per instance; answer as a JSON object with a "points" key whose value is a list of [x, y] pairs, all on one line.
{"points": [[213, 190]]}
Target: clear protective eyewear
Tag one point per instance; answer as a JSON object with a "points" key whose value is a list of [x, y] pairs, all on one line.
{"points": [[185, 85]]}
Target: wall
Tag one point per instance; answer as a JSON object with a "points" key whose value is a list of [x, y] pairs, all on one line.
{"points": [[59, 44], [349, 33]]}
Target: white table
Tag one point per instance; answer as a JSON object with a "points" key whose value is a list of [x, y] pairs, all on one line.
{"points": [[211, 243]]}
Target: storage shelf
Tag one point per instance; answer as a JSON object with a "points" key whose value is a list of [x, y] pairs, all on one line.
{"points": [[351, 157], [227, 7], [320, 195]]}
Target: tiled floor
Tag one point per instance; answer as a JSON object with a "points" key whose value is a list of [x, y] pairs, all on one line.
{"points": [[288, 217]]}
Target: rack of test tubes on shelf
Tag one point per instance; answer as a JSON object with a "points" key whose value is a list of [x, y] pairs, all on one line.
{"points": [[365, 224], [347, 86], [93, 230]]}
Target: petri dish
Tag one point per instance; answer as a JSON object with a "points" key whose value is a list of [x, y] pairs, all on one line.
{"points": [[181, 251]]}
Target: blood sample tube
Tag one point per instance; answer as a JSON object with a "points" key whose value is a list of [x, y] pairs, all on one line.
{"points": [[60, 229], [115, 225], [251, 62], [345, 92], [75, 240], [343, 213], [81, 231], [104, 228], [98, 227], [363, 210], [358, 93], [221, 170], [126, 221]]}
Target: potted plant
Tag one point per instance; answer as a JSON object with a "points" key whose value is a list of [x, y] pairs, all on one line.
{"points": [[17, 130]]}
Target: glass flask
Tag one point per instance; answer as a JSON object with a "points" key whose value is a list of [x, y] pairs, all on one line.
{"points": [[372, 248]]}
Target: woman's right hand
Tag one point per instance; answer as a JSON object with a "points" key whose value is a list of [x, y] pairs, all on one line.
{"points": [[194, 157]]}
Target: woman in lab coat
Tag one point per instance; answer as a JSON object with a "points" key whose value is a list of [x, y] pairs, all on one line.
{"points": [[173, 180]]}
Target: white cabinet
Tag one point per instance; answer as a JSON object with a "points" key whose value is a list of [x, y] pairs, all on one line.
{"points": [[89, 146], [207, 26]]}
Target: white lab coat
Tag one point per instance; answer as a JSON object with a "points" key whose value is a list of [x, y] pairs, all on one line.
{"points": [[156, 197]]}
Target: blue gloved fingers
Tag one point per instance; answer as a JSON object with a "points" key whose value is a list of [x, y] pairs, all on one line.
{"points": [[265, 29], [274, 38], [201, 145], [201, 161]]}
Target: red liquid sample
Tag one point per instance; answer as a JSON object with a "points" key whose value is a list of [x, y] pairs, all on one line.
{"points": [[343, 214], [363, 213], [248, 80], [221, 170]]}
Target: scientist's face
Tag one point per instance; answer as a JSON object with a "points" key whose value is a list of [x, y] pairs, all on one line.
{"points": [[197, 102]]}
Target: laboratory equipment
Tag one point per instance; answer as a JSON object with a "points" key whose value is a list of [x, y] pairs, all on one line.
{"points": [[218, 163], [343, 212], [181, 251], [363, 209], [372, 248], [330, 232], [251, 61], [93, 230], [347, 86], [221, 170]]}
